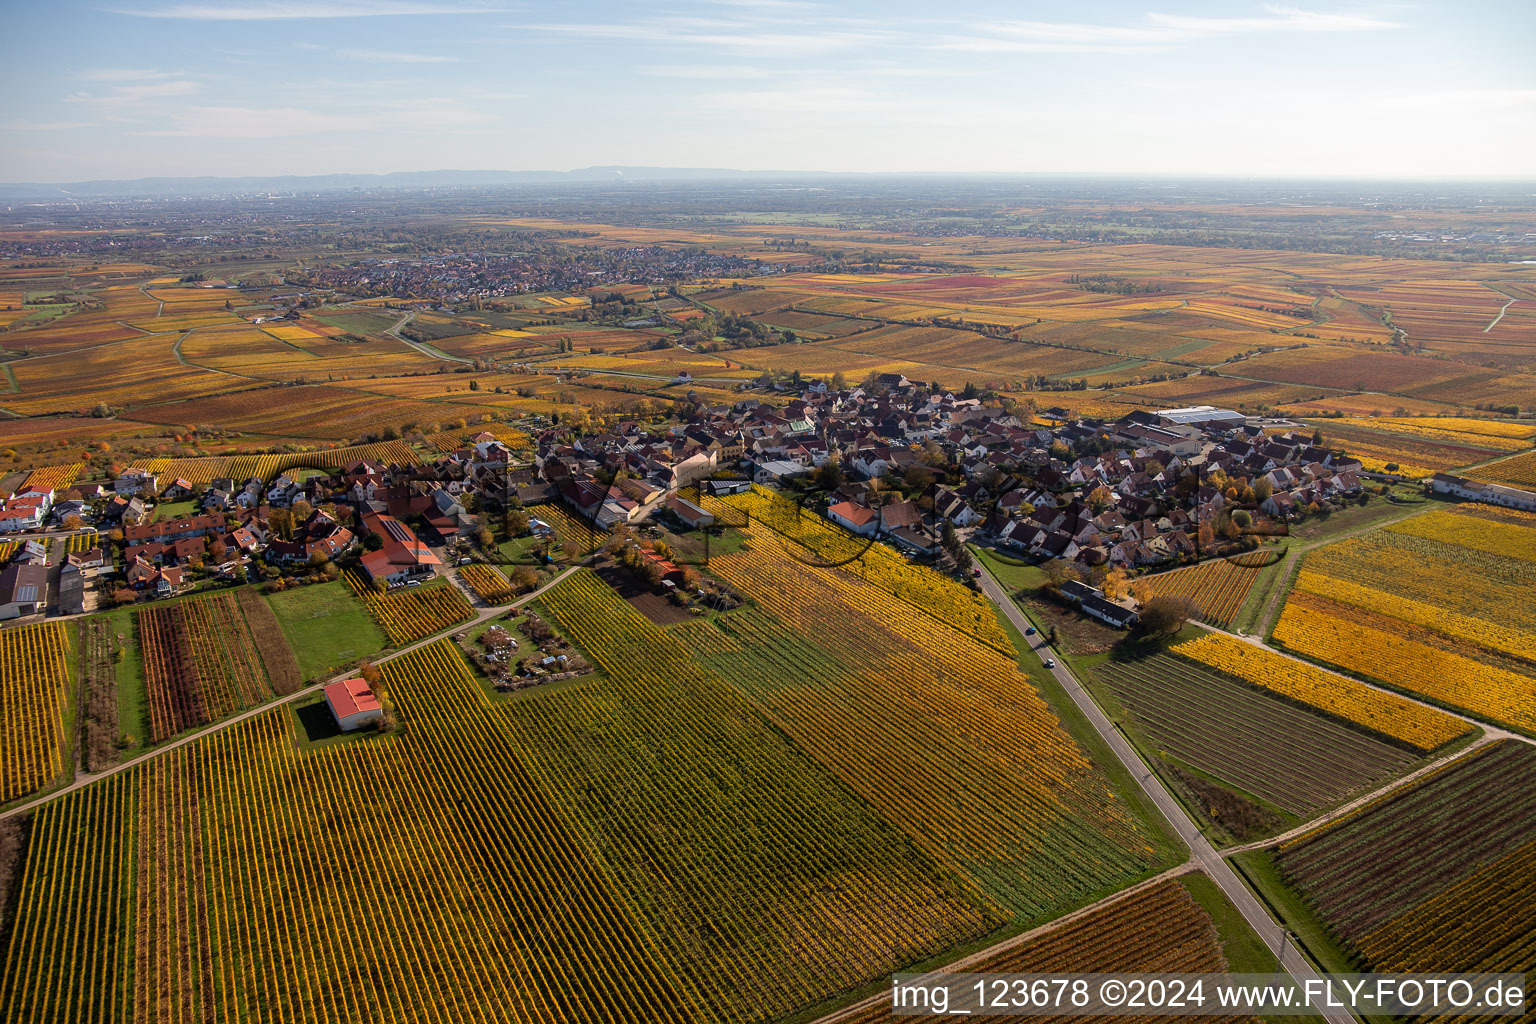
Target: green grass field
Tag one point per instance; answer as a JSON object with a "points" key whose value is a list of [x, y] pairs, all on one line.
{"points": [[175, 510], [130, 681], [326, 626]]}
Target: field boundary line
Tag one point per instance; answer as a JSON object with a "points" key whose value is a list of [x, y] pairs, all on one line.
{"points": [[1339, 812], [1271, 932], [1495, 731]]}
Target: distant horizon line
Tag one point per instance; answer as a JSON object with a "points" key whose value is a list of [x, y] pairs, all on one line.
{"points": [[649, 174]]}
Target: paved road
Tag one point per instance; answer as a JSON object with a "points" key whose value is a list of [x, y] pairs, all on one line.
{"points": [[394, 332], [82, 781], [1202, 852], [1496, 319]]}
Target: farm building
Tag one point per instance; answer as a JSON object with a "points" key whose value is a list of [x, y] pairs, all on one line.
{"points": [[403, 555], [916, 540], [1207, 417], [1492, 494], [71, 589], [771, 472], [23, 590], [692, 515], [353, 704], [858, 519], [1109, 613]]}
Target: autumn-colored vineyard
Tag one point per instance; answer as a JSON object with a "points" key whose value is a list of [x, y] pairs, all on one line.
{"points": [[1215, 589], [241, 468], [1293, 758], [452, 440], [1435, 876], [490, 585], [68, 958], [938, 731], [1437, 604], [201, 660], [824, 543], [412, 613], [671, 725], [1158, 930], [52, 478], [479, 902], [34, 692], [1387, 714], [1517, 471]]}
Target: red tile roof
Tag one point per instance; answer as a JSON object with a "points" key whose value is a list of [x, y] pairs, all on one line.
{"points": [[402, 548], [858, 515], [350, 697]]}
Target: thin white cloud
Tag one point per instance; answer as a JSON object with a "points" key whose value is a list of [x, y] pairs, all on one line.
{"points": [[125, 75], [702, 71], [45, 126], [1277, 19], [125, 95], [741, 37], [795, 6], [283, 10], [1157, 32], [395, 57]]}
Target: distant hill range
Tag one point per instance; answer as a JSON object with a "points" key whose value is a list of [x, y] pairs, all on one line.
{"points": [[143, 187]]}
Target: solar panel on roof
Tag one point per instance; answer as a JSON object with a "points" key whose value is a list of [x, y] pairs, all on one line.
{"points": [[26, 594]]}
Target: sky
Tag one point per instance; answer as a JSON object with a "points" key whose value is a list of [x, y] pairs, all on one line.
{"points": [[139, 88]]}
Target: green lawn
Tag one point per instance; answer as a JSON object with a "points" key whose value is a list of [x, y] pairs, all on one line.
{"points": [[1314, 529], [1245, 951], [175, 510], [131, 697], [1010, 572], [326, 626]]}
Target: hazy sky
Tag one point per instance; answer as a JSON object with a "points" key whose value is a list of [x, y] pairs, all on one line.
{"points": [[130, 88]]}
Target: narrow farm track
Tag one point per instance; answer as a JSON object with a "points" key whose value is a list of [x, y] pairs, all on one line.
{"points": [[86, 780], [394, 332], [1294, 554], [1340, 812], [1502, 311], [1204, 855], [1493, 731]]}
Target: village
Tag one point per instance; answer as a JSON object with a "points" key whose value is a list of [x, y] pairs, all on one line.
{"points": [[890, 460]]}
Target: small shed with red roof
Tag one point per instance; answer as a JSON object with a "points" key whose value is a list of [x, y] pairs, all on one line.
{"points": [[353, 704]]}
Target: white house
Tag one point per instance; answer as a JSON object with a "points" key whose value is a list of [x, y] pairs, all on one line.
{"points": [[772, 472], [353, 704], [857, 519], [1492, 494], [132, 481], [23, 590]]}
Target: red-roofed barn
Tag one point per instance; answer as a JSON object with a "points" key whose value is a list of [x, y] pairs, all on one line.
{"points": [[353, 704]]}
